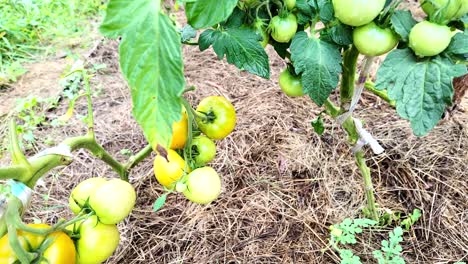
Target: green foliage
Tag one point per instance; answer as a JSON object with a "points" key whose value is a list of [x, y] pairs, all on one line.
{"points": [[345, 232], [205, 13], [390, 252], [411, 219], [318, 125], [319, 64], [31, 112], [27, 26], [151, 61], [241, 47], [402, 23], [421, 88]]}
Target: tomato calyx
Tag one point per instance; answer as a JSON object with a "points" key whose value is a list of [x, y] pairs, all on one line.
{"points": [[207, 117]]}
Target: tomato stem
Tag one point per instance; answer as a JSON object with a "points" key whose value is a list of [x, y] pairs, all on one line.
{"points": [[382, 94]]}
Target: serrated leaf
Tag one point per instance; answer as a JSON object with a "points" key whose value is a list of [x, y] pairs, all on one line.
{"points": [[326, 11], [319, 64], [159, 203], [151, 62], [421, 88], [318, 125], [459, 44], [206, 13], [403, 22], [241, 47], [342, 34], [305, 12]]}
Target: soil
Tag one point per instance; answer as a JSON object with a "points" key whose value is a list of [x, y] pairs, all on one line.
{"points": [[283, 185]]}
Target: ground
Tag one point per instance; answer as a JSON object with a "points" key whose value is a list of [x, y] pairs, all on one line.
{"points": [[283, 185]]}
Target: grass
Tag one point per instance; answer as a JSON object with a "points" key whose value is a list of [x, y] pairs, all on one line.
{"points": [[32, 27]]}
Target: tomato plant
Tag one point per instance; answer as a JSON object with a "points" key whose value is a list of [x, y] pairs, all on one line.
{"points": [[283, 28], [372, 40], [217, 117], [290, 84], [319, 40]]}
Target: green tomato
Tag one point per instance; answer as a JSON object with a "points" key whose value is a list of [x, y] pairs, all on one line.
{"points": [[429, 39], [81, 193], [218, 117], [372, 40], [97, 241], [463, 9], [204, 150], [113, 201], [290, 84], [357, 12], [449, 8], [290, 4], [203, 185], [283, 29]]}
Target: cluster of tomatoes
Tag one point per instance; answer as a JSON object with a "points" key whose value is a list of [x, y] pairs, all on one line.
{"points": [[183, 166], [370, 36], [90, 238]]}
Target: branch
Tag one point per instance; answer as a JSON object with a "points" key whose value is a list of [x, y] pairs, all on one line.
{"points": [[382, 94]]}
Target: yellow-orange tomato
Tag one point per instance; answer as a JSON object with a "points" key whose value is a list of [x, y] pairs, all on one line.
{"points": [[60, 251], [179, 132], [170, 170]]}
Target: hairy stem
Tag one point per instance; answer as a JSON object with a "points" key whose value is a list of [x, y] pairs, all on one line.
{"points": [[369, 188], [348, 78]]}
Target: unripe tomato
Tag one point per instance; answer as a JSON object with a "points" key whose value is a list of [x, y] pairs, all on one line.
{"points": [[449, 8], [179, 132], [82, 192], [463, 9], [97, 241], [357, 12], [290, 4], [60, 251], [203, 185], [291, 85], [429, 39], [113, 201], [170, 170], [283, 29], [220, 117], [372, 40], [204, 150]]}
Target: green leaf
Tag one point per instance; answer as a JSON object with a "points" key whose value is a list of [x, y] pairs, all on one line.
{"points": [[341, 34], [403, 22], [151, 62], [459, 44], [319, 128], [326, 11], [421, 88], [241, 47], [319, 63], [159, 203], [305, 12], [206, 13], [187, 33]]}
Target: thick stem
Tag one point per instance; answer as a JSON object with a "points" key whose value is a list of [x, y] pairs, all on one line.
{"points": [[348, 78], [17, 155], [135, 159], [369, 188]]}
